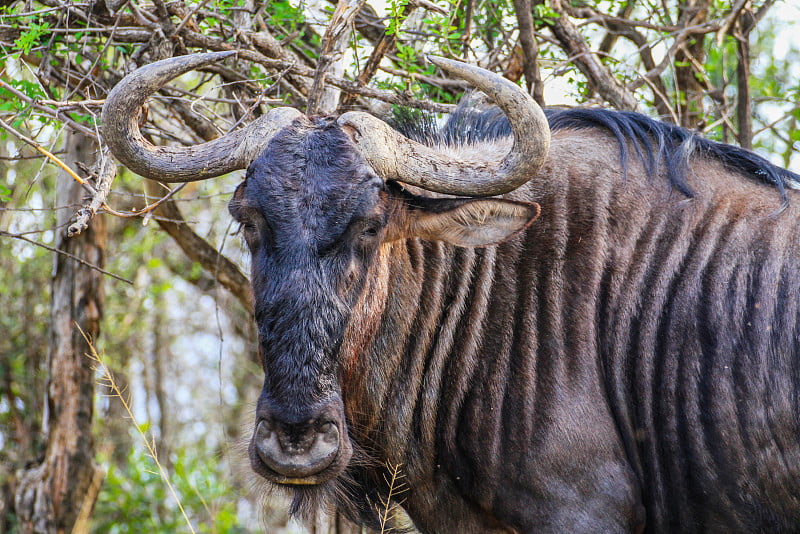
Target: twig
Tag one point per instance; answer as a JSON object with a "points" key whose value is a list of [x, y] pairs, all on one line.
{"points": [[52, 112], [189, 15], [77, 104], [386, 43], [593, 15], [3, 233], [213, 44], [669, 56], [20, 157], [729, 20], [52, 157], [198, 249], [106, 175], [599, 76], [433, 80], [430, 6]]}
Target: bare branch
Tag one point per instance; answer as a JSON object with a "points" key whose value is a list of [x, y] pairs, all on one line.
{"points": [[607, 86], [21, 237], [730, 20], [530, 50], [592, 15], [199, 250], [433, 80], [215, 44], [105, 177], [334, 42], [384, 45], [49, 155], [41, 105], [680, 39]]}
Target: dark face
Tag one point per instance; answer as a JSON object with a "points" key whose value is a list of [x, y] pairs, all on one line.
{"points": [[313, 214]]}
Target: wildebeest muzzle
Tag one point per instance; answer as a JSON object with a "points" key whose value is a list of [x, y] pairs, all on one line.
{"points": [[300, 448]]}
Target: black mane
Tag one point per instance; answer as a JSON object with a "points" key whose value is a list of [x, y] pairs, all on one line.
{"points": [[656, 143]]}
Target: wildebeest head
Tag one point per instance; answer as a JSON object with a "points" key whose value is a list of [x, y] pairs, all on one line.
{"points": [[321, 198]]}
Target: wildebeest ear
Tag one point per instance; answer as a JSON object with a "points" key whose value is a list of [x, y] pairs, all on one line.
{"points": [[472, 222]]}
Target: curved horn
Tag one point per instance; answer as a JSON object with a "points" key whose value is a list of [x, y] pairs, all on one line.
{"points": [[395, 157], [180, 164]]}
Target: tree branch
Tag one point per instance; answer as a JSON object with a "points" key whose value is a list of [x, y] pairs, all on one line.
{"points": [[64, 253], [333, 45], [599, 76], [530, 50], [383, 46], [198, 249]]}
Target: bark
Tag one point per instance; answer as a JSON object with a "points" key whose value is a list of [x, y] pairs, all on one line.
{"points": [[52, 493]]}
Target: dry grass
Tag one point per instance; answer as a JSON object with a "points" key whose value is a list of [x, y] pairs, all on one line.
{"points": [[390, 503], [107, 380]]}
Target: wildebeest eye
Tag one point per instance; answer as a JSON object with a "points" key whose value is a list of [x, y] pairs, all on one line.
{"points": [[250, 233], [255, 232], [369, 230], [248, 229]]}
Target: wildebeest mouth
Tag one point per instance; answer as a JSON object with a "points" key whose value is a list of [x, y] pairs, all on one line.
{"points": [[301, 451], [332, 469]]}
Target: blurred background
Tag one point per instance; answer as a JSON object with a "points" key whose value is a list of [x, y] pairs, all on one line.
{"points": [[128, 367]]}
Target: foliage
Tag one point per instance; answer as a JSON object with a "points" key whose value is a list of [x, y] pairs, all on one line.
{"points": [[58, 61], [134, 499]]}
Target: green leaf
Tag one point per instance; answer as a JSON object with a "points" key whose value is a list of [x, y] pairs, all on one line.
{"points": [[29, 38]]}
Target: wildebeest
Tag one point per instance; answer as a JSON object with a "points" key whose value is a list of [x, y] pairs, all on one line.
{"points": [[625, 362]]}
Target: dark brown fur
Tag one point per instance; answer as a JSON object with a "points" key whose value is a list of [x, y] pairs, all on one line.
{"points": [[572, 357]]}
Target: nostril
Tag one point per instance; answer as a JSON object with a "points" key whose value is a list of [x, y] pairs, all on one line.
{"points": [[265, 440]]}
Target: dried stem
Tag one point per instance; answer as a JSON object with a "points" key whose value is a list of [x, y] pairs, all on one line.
{"points": [[149, 442]]}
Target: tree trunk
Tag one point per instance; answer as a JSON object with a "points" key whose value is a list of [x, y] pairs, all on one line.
{"points": [[52, 493], [689, 91]]}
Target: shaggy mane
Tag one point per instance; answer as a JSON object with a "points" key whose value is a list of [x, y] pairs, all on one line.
{"points": [[656, 143]]}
